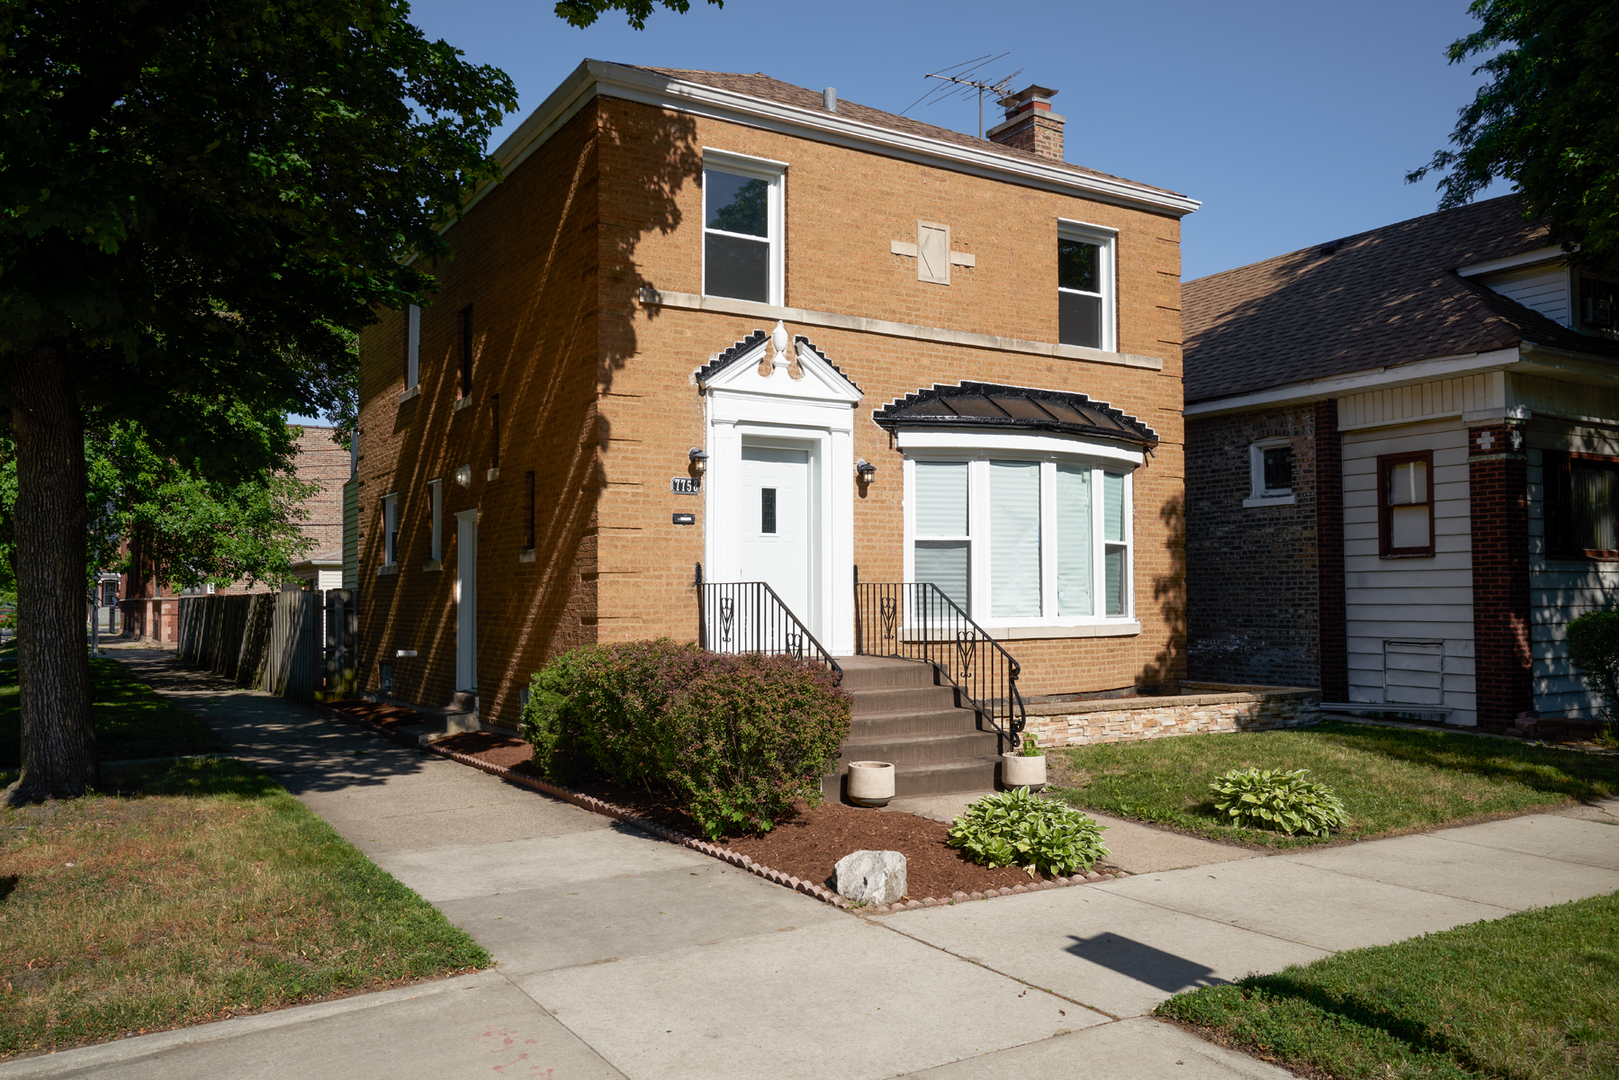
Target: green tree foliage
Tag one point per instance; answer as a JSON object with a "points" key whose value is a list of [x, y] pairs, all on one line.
{"points": [[200, 200], [1548, 120], [1593, 647]]}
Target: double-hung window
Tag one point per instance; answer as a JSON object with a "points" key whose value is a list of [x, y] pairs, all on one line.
{"points": [[390, 530], [743, 227], [1023, 542], [1581, 505], [413, 347], [1405, 505], [1085, 305]]}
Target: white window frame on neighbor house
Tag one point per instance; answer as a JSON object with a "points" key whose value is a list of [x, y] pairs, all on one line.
{"points": [[774, 173], [390, 530], [977, 451], [1258, 493], [1105, 240]]}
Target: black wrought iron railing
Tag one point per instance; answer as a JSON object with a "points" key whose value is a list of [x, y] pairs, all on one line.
{"points": [[748, 616], [915, 620]]}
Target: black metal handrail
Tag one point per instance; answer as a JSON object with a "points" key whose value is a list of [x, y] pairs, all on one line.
{"points": [[915, 620], [748, 617]]}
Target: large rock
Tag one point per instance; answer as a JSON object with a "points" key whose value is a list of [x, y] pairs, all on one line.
{"points": [[870, 877]]}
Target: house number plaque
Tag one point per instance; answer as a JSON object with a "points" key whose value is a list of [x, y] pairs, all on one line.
{"points": [[686, 485]]}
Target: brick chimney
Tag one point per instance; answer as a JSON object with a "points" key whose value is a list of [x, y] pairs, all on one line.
{"points": [[1030, 124]]}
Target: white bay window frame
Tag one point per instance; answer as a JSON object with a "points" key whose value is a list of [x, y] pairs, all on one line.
{"points": [[977, 451], [774, 173]]}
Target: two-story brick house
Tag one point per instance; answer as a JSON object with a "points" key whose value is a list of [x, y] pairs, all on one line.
{"points": [[718, 319], [1401, 467]]}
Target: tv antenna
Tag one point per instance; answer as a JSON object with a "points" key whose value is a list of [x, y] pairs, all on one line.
{"points": [[957, 81]]}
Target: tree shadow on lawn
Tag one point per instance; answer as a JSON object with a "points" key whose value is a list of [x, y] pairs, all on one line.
{"points": [[1577, 774]]}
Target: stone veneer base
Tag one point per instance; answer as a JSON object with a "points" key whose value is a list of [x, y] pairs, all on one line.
{"points": [[1201, 708], [724, 854]]}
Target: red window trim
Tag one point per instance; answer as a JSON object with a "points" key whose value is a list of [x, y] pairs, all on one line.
{"points": [[1385, 520], [1561, 463]]}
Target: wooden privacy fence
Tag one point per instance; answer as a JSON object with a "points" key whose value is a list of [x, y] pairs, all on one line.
{"points": [[293, 644]]}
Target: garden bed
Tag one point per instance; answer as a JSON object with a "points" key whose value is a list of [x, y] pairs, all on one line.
{"points": [[807, 844]]}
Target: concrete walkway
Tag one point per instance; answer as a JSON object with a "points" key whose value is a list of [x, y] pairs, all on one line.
{"points": [[622, 956]]}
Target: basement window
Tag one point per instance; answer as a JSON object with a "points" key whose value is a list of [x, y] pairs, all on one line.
{"points": [[1270, 472]]}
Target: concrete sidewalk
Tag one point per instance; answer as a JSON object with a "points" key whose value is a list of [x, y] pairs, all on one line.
{"points": [[623, 956]]}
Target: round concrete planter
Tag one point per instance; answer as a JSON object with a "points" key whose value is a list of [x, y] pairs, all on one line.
{"points": [[1019, 771], [871, 783]]}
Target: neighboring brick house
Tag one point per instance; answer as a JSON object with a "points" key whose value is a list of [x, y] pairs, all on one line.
{"points": [[1371, 425], [683, 263], [150, 608]]}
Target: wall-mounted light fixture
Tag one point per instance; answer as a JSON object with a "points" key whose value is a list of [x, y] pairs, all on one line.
{"points": [[463, 476], [698, 459], [866, 471]]}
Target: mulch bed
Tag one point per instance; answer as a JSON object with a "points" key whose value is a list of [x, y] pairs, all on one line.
{"points": [[379, 713], [808, 844]]}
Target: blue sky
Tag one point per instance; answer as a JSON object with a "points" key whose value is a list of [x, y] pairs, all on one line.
{"points": [[1294, 123]]}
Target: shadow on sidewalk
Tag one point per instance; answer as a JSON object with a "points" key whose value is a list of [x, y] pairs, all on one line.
{"points": [[1140, 961], [304, 750]]}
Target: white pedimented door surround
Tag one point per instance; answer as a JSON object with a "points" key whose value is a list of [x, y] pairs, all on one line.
{"points": [[781, 395]]}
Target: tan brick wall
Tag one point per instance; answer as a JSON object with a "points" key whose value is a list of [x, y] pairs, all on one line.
{"points": [[611, 565]]}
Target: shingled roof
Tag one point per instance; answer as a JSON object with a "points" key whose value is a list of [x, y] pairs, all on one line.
{"points": [[1382, 298], [978, 405], [768, 89]]}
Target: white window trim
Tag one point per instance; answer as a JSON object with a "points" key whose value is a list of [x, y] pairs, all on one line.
{"points": [[1257, 495], [978, 451], [435, 492], [775, 174], [390, 529], [1105, 240]]}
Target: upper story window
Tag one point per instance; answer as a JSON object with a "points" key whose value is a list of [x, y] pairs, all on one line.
{"points": [[743, 227], [1598, 308], [1085, 302], [413, 346], [1270, 472], [1405, 505], [466, 350], [1023, 542], [435, 504], [1581, 505]]}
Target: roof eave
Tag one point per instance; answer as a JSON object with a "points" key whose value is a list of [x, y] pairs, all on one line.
{"points": [[595, 78]]}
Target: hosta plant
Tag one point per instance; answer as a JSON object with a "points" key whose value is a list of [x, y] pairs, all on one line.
{"points": [[1013, 828], [1282, 801]]}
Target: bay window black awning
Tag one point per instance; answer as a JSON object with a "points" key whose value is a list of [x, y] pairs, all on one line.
{"points": [[1020, 408]]}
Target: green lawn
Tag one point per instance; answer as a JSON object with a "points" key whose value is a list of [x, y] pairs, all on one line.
{"points": [[207, 893], [1391, 780], [1533, 996], [132, 721]]}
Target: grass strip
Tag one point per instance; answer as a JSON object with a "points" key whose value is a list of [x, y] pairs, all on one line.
{"points": [[1391, 780], [132, 720], [203, 892], [1532, 996]]}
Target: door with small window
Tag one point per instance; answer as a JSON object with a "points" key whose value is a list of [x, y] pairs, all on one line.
{"points": [[774, 516]]}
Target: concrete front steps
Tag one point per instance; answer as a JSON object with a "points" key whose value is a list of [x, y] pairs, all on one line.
{"points": [[902, 714]]}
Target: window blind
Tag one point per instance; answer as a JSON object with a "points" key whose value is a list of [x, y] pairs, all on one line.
{"points": [[1073, 513], [1014, 512]]}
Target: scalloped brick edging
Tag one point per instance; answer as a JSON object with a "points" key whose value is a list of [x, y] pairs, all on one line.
{"points": [[724, 854]]}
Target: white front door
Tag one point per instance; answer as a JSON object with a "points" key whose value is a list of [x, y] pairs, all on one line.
{"points": [[466, 600], [775, 519]]}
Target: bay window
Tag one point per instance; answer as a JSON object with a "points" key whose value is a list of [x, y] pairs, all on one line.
{"points": [[1023, 541]]}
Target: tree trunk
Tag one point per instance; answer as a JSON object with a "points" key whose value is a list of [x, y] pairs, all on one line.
{"points": [[58, 731]]}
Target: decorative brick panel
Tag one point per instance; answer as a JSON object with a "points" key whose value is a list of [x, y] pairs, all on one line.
{"points": [[1498, 489]]}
